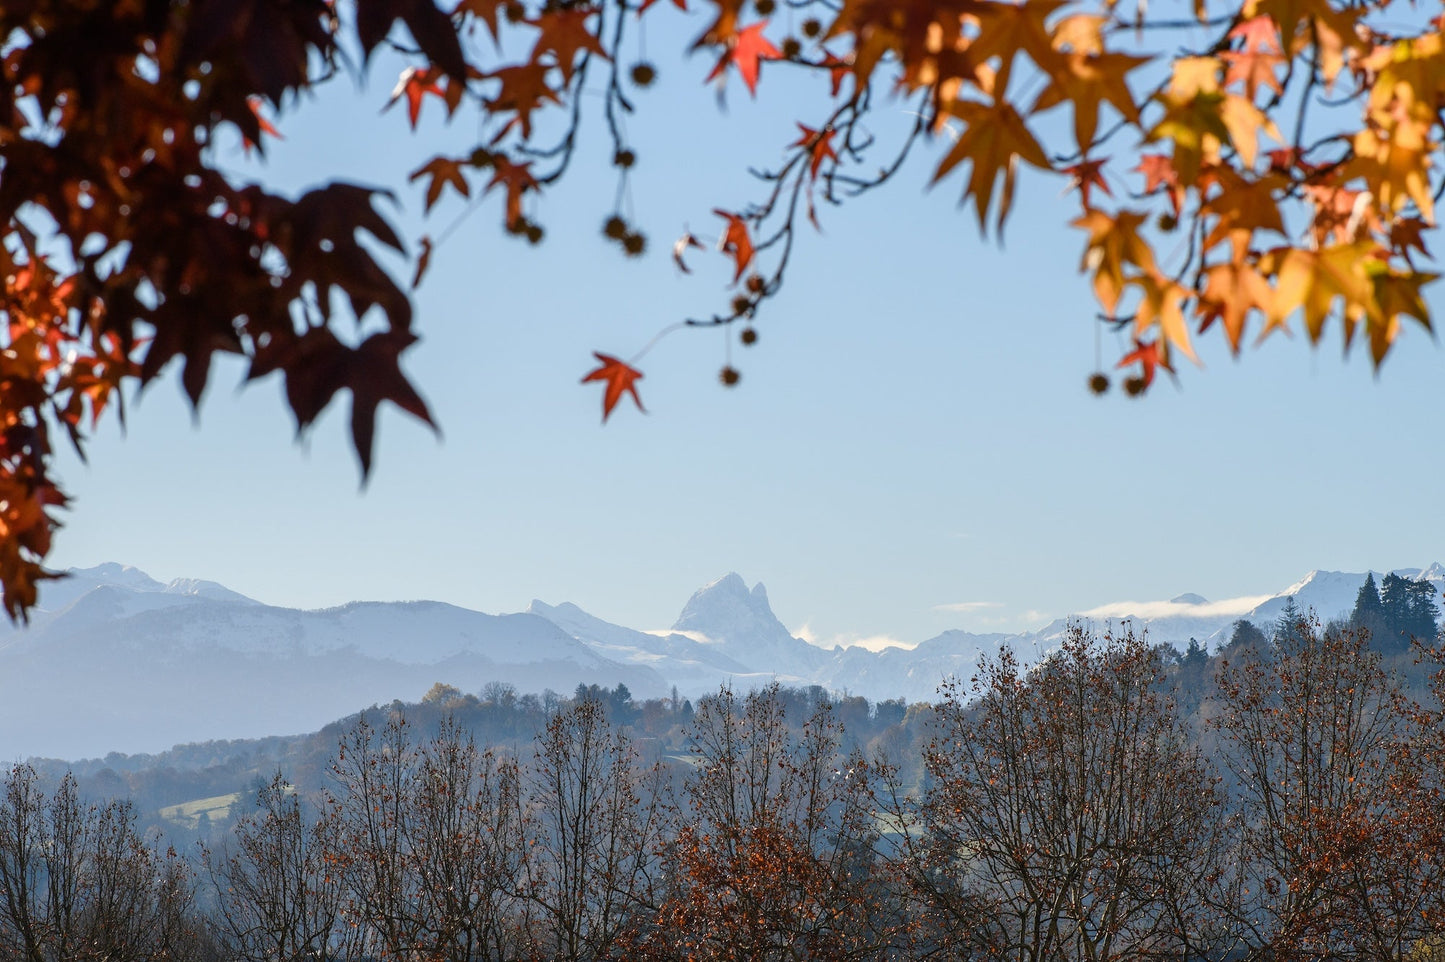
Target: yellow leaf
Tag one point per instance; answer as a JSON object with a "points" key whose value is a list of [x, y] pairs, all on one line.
{"points": [[1162, 306], [1114, 242], [1312, 281]]}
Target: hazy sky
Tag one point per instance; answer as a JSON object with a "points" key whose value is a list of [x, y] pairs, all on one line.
{"points": [[912, 447]]}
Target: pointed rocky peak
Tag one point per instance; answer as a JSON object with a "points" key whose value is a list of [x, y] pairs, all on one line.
{"points": [[727, 608], [1189, 598], [740, 620]]}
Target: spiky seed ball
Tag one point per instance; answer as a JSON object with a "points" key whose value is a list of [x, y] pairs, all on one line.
{"points": [[756, 283], [517, 225], [1099, 382], [643, 74], [1134, 386], [729, 376], [1167, 222], [741, 304], [514, 12], [765, 7], [791, 47], [534, 233], [749, 336], [812, 27], [634, 244], [624, 158], [615, 227], [482, 158]]}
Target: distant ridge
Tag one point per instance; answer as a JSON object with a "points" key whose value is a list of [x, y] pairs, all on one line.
{"points": [[116, 660]]}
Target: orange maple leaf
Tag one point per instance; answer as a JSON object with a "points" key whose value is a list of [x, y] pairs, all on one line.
{"points": [[736, 242], [1158, 171], [746, 51], [1254, 64], [620, 377], [414, 84]]}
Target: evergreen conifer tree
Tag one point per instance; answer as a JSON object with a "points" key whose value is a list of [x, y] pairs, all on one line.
{"points": [[1291, 626], [1369, 614]]}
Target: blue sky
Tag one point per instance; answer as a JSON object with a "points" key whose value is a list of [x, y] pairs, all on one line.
{"points": [[912, 447]]}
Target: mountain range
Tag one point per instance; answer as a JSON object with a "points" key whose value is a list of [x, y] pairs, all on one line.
{"points": [[114, 660]]}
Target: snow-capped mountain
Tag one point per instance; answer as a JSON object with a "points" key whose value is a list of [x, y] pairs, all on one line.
{"points": [[1328, 594], [740, 623], [114, 660]]}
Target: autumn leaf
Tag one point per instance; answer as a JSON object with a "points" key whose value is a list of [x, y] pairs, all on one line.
{"points": [[1232, 292], [819, 144], [1158, 171], [993, 141], [1162, 306], [565, 34], [265, 125], [1149, 359], [1255, 65], [1085, 175], [736, 243], [374, 376], [442, 172], [620, 378], [517, 179], [1086, 81], [524, 88], [746, 51], [415, 83], [1114, 244]]}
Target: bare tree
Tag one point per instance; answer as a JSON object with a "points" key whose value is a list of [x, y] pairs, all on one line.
{"points": [[592, 832], [1066, 817], [78, 883], [1339, 837], [774, 855], [278, 894]]}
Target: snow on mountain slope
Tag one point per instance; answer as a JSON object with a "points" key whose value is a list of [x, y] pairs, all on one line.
{"points": [[1328, 594], [694, 667], [128, 667], [115, 660], [741, 624]]}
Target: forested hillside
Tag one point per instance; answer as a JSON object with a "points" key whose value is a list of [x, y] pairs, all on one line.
{"points": [[1280, 799]]}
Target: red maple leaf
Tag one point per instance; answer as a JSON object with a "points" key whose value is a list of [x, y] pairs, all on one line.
{"points": [[820, 144], [517, 178], [254, 102], [620, 377], [1087, 174], [415, 84], [1158, 171], [1147, 356], [746, 51], [736, 242]]}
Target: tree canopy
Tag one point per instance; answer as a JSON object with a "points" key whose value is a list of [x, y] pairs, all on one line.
{"points": [[1234, 169]]}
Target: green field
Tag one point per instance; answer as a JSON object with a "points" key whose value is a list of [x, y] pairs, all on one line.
{"points": [[217, 808]]}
